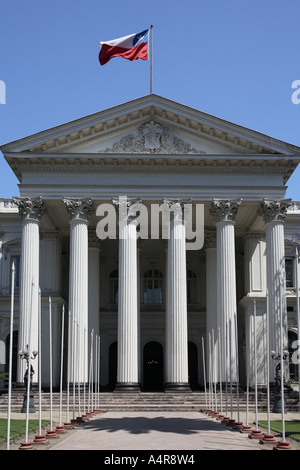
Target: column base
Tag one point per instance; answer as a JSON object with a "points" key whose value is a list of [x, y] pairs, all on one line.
{"points": [[127, 387], [177, 387]]}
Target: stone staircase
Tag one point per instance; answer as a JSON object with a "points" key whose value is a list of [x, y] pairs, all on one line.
{"points": [[147, 401]]}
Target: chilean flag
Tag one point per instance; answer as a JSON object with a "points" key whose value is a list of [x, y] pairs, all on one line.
{"points": [[132, 47]]}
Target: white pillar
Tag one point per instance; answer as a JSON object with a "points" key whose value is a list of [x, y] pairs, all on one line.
{"points": [[93, 285], [128, 335], [211, 289], [225, 213], [30, 210], [274, 212], [94, 281], [79, 211], [176, 315]]}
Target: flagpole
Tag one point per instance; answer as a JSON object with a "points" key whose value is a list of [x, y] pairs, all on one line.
{"points": [[151, 59], [10, 350]]}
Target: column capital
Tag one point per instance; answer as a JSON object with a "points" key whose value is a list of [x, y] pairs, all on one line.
{"points": [[225, 209], [274, 209], [30, 208], [175, 208], [78, 209], [123, 204], [176, 202]]}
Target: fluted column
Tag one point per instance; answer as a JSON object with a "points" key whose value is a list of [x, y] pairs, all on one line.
{"points": [[79, 211], [31, 211], [225, 212], [176, 315], [94, 281], [128, 335], [211, 289], [274, 212], [93, 286]]}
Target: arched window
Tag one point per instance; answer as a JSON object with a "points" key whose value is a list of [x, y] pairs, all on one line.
{"points": [[153, 287], [113, 287], [191, 287]]}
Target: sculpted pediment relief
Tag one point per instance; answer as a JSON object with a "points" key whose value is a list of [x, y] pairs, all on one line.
{"points": [[152, 137]]}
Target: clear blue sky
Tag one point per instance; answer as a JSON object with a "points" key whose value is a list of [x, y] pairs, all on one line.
{"points": [[235, 59]]}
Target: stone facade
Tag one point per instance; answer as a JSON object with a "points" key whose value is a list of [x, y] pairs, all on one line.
{"points": [[150, 301]]}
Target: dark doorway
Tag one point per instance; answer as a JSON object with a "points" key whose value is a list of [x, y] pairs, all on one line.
{"points": [[14, 355], [153, 367], [112, 365], [193, 365]]}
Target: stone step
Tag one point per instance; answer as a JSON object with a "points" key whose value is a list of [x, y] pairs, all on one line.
{"points": [[143, 401]]}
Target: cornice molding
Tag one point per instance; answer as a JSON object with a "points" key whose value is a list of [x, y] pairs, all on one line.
{"points": [[156, 164]]}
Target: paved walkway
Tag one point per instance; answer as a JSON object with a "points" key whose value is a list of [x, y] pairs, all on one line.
{"points": [[115, 432], [154, 431]]}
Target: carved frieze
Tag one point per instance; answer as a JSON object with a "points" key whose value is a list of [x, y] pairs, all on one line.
{"points": [[152, 137]]}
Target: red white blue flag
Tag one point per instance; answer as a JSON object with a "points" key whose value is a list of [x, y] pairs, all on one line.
{"points": [[131, 47]]}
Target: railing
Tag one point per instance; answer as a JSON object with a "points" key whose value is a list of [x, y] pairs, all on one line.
{"points": [[7, 205], [295, 206]]}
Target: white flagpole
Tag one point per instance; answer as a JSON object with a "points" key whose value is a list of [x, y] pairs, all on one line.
{"points": [[214, 368], [255, 362], [69, 365], [151, 59], [298, 308], [78, 371], [281, 297], [230, 369], [84, 381], [61, 362], [96, 369], [73, 362], [220, 371], [237, 369], [248, 366], [268, 361], [29, 365], [10, 350], [226, 367], [40, 361], [50, 348], [90, 402], [204, 373], [209, 372], [99, 370]]}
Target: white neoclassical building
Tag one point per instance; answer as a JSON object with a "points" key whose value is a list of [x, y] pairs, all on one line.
{"points": [[165, 236]]}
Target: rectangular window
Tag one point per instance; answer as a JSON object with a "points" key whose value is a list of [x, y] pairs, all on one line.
{"points": [[16, 261], [289, 272]]}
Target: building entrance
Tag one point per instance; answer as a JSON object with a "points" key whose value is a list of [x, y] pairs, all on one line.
{"points": [[153, 368]]}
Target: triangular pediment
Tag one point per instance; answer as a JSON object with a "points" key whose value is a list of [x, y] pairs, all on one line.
{"points": [[169, 132], [129, 127]]}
